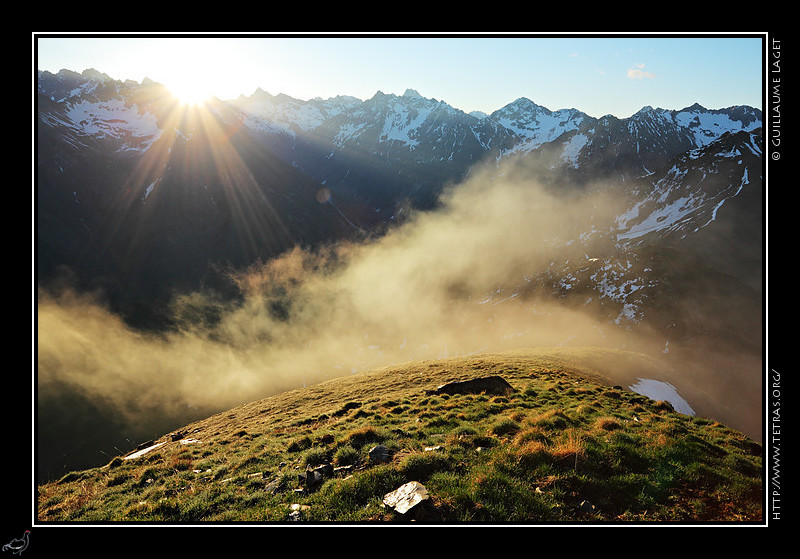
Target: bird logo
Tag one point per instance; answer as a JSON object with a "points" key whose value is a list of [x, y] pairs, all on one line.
{"points": [[18, 545]]}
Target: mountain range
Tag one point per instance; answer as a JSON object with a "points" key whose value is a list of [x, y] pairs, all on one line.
{"points": [[101, 164], [141, 198]]}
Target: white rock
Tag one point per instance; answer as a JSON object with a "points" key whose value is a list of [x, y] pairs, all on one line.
{"points": [[405, 497]]}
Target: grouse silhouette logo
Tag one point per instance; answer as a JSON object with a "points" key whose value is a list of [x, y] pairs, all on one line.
{"points": [[18, 545]]}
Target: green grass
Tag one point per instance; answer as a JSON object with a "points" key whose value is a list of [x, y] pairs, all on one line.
{"points": [[564, 448]]}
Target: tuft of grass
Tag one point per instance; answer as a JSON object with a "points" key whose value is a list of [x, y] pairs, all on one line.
{"points": [[315, 457], [505, 427], [346, 456], [607, 424], [421, 466], [363, 436]]}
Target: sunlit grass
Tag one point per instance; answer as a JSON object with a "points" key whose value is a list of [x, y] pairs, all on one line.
{"points": [[584, 453]]}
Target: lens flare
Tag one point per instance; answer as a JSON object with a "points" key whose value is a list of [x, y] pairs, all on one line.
{"points": [[190, 91]]}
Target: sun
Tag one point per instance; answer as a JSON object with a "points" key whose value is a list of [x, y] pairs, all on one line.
{"points": [[197, 70], [190, 91]]}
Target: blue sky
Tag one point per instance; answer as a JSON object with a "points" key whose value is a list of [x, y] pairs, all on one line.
{"points": [[600, 75]]}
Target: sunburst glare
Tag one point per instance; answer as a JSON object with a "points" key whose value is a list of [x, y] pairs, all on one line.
{"points": [[190, 91], [217, 167]]}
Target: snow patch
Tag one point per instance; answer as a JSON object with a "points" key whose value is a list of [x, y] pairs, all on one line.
{"points": [[662, 218], [572, 149], [117, 119], [150, 188], [707, 126], [662, 391]]}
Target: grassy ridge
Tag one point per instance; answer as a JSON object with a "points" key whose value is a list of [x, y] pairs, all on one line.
{"points": [[566, 446]]}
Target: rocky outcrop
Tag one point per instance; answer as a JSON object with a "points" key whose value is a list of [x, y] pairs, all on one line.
{"points": [[489, 385]]}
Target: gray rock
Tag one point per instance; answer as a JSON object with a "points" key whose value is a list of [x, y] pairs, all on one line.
{"points": [[313, 477], [380, 454], [587, 507], [276, 486], [489, 385], [296, 511], [342, 471]]}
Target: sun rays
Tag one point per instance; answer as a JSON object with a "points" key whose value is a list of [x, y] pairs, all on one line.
{"points": [[190, 92], [200, 160]]}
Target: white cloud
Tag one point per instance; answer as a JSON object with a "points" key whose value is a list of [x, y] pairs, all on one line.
{"points": [[638, 73]]}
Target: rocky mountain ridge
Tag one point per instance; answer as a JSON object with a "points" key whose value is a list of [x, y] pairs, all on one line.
{"points": [[392, 132], [124, 156]]}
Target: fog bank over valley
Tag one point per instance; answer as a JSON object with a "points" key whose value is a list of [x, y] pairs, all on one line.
{"points": [[455, 281]]}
